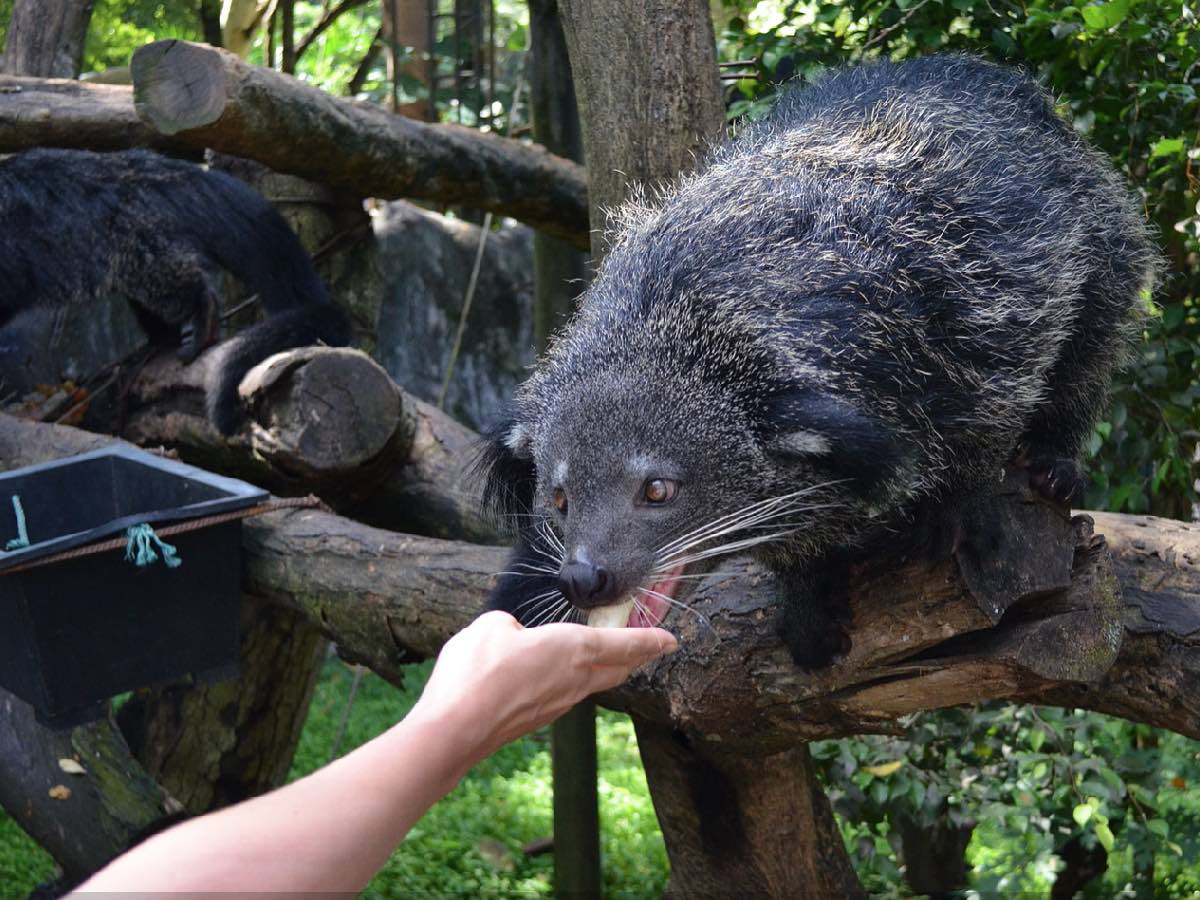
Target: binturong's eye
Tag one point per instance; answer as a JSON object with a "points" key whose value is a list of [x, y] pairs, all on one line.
{"points": [[560, 500], [659, 490]]}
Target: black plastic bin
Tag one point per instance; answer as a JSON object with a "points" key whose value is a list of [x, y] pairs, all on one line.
{"points": [[76, 632]]}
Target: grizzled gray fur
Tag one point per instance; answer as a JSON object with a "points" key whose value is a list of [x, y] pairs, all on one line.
{"points": [[904, 278]]}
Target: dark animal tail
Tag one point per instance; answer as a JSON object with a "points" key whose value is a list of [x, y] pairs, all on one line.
{"points": [[243, 233], [300, 327]]}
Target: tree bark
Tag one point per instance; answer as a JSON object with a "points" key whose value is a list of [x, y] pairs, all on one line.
{"points": [[209, 12], [408, 25], [760, 827], [649, 94], [217, 100], [45, 38], [559, 274], [293, 128], [287, 36], [211, 745], [386, 458], [35, 112], [560, 270], [239, 20]]}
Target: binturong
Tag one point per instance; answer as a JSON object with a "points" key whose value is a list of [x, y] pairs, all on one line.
{"points": [[906, 277]]}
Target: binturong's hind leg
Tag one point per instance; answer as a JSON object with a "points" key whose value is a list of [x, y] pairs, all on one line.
{"points": [[1077, 395], [815, 610], [173, 300]]}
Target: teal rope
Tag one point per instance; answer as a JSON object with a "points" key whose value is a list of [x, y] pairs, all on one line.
{"points": [[22, 538], [140, 544]]}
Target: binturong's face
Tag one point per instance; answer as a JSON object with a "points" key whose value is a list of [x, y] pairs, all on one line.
{"points": [[641, 491]]}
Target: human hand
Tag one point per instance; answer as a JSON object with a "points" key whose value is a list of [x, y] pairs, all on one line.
{"points": [[496, 680]]}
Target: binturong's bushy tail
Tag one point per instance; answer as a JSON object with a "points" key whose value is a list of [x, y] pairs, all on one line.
{"points": [[300, 327]]}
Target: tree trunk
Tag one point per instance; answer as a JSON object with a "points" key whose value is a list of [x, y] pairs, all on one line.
{"points": [[239, 20], [649, 95], [287, 36], [406, 24], [559, 269], [211, 745], [45, 38], [741, 826], [209, 12], [935, 861], [559, 274], [84, 820]]}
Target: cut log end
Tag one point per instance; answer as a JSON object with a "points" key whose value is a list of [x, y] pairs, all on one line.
{"points": [[178, 86], [321, 411]]}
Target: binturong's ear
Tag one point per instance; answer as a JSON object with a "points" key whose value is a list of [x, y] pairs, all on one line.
{"points": [[505, 465], [830, 434]]}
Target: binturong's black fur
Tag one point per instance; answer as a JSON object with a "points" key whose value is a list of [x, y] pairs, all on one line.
{"points": [[906, 277], [75, 225]]}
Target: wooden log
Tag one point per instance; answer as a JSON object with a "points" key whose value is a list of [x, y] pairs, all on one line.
{"points": [[323, 420], [925, 634], [294, 128], [36, 112], [718, 839], [220, 101]]}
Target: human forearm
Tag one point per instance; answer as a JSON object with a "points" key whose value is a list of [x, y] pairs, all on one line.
{"points": [[328, 832]]}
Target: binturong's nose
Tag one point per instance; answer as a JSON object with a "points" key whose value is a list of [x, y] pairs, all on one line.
{"points": [[586, 584]]}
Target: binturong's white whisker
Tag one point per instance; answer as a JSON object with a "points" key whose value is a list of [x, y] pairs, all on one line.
{"points": [[746, 513], [545, 596], [670, 563]]}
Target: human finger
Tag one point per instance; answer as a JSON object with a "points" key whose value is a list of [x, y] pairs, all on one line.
{"points": [[628, 647]]}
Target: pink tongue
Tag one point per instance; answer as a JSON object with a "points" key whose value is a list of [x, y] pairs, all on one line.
{"points": [[650, 609]]}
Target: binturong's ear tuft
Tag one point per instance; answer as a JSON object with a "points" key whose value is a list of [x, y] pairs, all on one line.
{"points": [[505, 465], [828, 433]]}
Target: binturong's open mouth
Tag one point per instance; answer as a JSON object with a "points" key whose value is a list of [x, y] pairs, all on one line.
{"points": [[644, 608]]}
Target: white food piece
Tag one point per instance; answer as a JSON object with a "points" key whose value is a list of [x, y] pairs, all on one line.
{"points": [[611, 616]]}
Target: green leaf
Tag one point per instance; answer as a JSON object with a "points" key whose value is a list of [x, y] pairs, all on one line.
{"points": [[1082, 813], [1105, 836], [1037, 737], [1158, 826], [1103, 16], [1166, 147]]}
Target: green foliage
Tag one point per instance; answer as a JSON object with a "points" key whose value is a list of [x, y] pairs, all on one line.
{"points": [[23, 864], [118, 27], [1127, 74], [1031, 780]]}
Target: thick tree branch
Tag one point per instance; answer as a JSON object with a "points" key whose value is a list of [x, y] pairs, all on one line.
{"points": [[192, 97], [216, 99], [1109, 624]]}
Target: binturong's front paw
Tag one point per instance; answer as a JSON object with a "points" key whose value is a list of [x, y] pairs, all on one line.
{"points": [[815, 614], [815, 646]]}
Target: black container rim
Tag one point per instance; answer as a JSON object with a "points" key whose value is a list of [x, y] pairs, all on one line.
{"points": [[239, 495]]}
